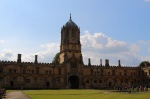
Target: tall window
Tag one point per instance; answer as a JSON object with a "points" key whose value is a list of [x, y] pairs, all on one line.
{"points": [[67, 33], [120, 73], [113, 72], [1, 79], [59, 71], [139, 73], [27, 80], [91, 71], [37, 70], [87, 81], [1, 70], [101, 72], [24, 71], [72, 33], [14, 70], [109, 73], [10, 70]]}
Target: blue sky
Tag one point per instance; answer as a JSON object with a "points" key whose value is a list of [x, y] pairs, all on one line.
{"points": [[118, 28]]}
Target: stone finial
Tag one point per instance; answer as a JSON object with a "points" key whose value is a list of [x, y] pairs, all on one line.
{"points": [[89, 62], [106, 62], [36, 59], [70, 16], [81, 59], [119, 63], [19, 58], [101, 62]]}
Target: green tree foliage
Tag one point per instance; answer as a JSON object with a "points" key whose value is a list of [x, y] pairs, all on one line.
{"points": [[55, 59], [144, 64]]}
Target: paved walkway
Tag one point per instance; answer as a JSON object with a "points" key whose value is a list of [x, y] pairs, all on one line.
{"points": [[16, 95]]}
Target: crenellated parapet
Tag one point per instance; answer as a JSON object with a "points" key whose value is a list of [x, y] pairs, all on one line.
{"points": [[108, 66], [22, 63]]}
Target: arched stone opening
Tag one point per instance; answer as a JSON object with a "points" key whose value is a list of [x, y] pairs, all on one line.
{"points": [[74, 82]]}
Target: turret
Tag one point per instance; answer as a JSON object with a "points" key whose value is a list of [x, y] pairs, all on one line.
{"points": [[36, 59], [89, 62], [107, 63], [101, 62], [119, 64], [19, 58]]}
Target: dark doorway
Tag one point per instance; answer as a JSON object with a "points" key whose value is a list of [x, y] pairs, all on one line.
{"points": [[12, 83], [47, 84], [74, 82], [109, 84]]}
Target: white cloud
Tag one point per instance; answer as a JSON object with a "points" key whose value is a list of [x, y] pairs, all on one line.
{"points": [[102, 43], [1, 41], [99, 46], [135, 47], [7, 55], [95, 46], [144, 42], [45, 55], [148, 50]]}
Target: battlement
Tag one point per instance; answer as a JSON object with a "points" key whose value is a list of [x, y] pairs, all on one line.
{"points": [[108, 66], [111, 67]]}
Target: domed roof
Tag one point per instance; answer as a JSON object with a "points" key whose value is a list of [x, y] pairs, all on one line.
{"points": [[70, 22]]}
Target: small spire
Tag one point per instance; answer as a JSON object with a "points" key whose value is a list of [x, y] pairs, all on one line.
{"points": [[70, 16]]}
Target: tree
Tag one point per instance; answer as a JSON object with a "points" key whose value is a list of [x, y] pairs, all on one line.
{"points": [[144, 64], [55, 59]]}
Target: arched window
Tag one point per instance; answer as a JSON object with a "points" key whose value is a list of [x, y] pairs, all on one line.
{"points": [[59, 71], [95, 81], [73, 64], [87, 81], [72, 33], [67, 33]]}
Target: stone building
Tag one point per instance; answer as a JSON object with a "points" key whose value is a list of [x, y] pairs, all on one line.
{"points": [[69, 71]]}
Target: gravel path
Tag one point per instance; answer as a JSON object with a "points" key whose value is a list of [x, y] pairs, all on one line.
{"points": [[16, 95]]}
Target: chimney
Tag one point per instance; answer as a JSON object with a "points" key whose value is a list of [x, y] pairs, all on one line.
{"points": [[19, 58], [107, 62], [119, 64], [36, 59], [100, 62], [89, 62]]}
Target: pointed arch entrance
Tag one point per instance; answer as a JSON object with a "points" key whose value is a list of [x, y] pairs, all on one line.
{"points": [[74, 82]]}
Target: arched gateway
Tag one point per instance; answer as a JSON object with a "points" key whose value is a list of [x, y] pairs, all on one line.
{"points": [[74, 82]]}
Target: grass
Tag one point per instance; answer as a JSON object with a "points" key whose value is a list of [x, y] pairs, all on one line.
{"points": [[84, 94]]}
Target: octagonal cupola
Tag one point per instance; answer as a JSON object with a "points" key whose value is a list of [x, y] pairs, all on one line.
{"points": [[70, 23]]}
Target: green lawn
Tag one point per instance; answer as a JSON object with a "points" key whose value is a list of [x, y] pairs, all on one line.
{"points": [[85, 94]]}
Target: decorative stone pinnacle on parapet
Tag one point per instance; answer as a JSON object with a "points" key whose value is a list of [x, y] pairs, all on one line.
{"points": [[89, 62], [19, 58], [119, 63], [100, 62], [106, 62], [36, 59]]}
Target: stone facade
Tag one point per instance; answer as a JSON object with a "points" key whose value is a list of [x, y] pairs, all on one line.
{"points": [[69, 70]]}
